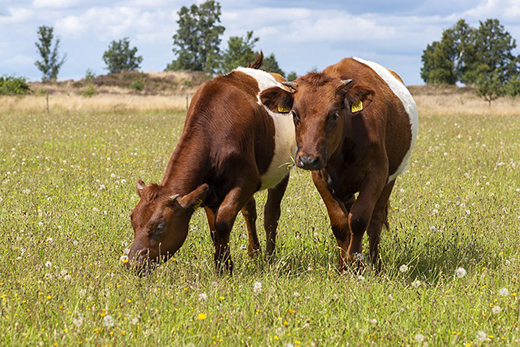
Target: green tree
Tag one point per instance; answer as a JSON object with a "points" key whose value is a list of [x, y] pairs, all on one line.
{"points": [[51, 63], [489, 86], [240, 52], [493, 53], [120, 57], [444, 61], [271, 65], [197, 40]]}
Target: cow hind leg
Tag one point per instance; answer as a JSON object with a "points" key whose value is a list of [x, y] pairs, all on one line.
{"points": [[379, 218], [250, 216], [272, 214]]}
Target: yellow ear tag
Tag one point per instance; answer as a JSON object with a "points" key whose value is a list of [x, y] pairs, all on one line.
{"points": [[282, 109], [358, 106]]}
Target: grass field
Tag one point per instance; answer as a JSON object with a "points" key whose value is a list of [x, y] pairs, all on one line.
{"points": [[451, 258]]}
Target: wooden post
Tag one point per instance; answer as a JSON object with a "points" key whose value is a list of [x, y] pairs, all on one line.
{"points": [[47, 97]]}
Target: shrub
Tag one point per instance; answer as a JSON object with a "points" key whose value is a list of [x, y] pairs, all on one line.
{"points": [[137, 84], [89, 91], [10, 85]]}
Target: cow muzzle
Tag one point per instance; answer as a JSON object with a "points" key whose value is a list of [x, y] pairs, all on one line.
{"points": [[309, 162]]}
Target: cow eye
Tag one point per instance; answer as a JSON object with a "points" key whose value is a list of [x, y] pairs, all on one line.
{"points": [[160, 228], [296, 119], [334, 117]]}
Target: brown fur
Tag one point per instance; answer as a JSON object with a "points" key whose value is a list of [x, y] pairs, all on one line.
{"points": [[349, 152], [226, 145]]}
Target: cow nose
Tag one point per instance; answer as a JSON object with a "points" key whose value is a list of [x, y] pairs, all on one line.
{"points": [[308, 162]]}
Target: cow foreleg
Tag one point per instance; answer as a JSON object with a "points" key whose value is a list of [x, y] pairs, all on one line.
{"points": [[249, 213], [379, 217], [272, 214], [224, 220], [337, 212], [361, 212]]}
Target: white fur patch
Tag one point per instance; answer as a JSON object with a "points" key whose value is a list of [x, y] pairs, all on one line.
{"points": [[404, 95], [284, 138]]}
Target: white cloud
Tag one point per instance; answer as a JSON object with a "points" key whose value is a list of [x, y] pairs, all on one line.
{"points": [[17, 15], [506, 9], [118, 22], [305, 25], [60, 4]]}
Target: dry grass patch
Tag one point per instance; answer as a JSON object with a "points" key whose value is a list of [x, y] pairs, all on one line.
{"points": [[98, 103]]}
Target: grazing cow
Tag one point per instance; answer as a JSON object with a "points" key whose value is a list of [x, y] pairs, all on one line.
{"points": [[231, 147], [356, 124]]}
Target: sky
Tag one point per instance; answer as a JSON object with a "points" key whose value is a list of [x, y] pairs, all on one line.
{"points": [[304, 35]]}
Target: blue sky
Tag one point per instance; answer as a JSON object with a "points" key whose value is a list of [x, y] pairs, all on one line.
{"points": [[303, 34]]}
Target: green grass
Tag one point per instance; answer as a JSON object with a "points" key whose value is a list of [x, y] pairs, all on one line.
{"points": [[68, 186]]}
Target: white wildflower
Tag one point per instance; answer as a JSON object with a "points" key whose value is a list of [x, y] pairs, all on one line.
{"points": [[78, 320], [257, 287], [48, 264], [296, 294], [416, 283]]}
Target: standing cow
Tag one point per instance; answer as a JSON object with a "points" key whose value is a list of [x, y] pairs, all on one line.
{"points": [[356, 124], [231, 147]]}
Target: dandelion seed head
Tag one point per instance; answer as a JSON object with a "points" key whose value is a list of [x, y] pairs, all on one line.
{"points": [[419, 338], [203, 297], [403, 268], [108, 321], [460, 272], [481, 336], [503, 292], [416, 283], [496, 310]]}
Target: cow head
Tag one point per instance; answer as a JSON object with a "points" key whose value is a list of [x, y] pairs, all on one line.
{"points": [[160, 221], [322, 107]]}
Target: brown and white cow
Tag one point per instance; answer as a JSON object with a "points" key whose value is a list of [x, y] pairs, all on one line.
{"points": [[356, 124], [231, 147]]}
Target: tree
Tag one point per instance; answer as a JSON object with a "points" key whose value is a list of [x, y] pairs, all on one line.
{"points": [[197, 40], [50, 64], [480, 56], [240, 52], [490, 86], [271, 65], [445, 61], [493, 52], [120, 57]]}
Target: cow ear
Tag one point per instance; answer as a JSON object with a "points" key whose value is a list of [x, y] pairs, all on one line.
{"points": [[358, 98], [139, 186], [277, 99], [194, 199]]}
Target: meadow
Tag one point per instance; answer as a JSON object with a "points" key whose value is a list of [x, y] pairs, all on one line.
{"points": [[451, 257]]}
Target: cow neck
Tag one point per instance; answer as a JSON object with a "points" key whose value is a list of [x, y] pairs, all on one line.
{"points": [[186, 169]]}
